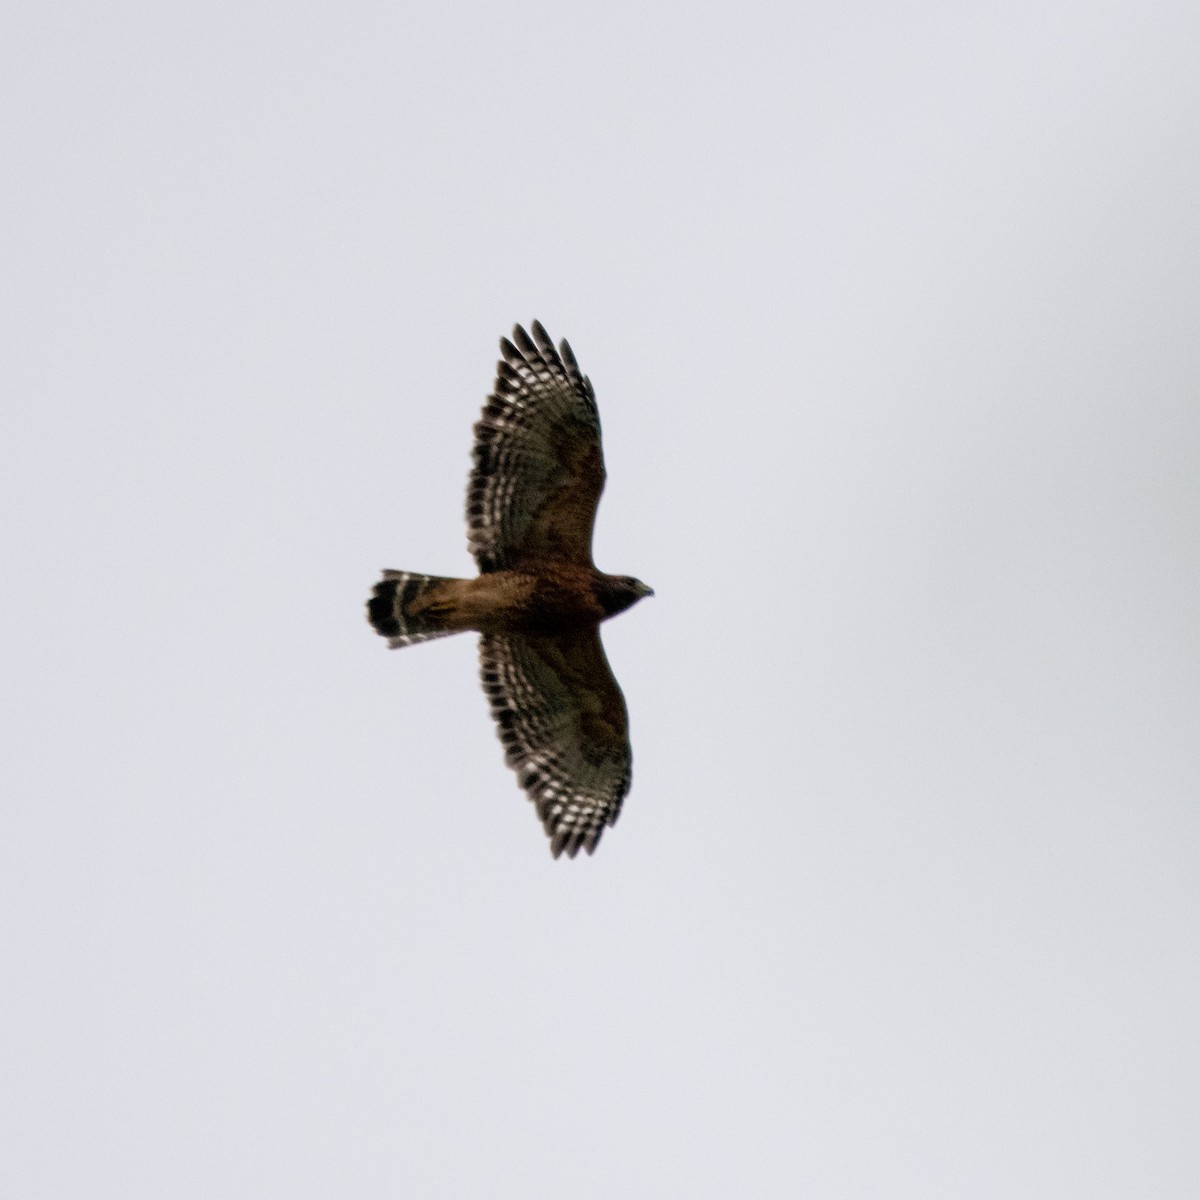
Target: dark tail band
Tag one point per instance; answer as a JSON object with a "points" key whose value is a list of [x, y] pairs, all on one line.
{"points": [[390, 609]]}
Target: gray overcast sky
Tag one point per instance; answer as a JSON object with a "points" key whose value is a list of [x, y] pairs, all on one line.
{"points": [[893, 313]]}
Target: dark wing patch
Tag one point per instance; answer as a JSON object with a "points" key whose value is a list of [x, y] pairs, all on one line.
{"points": [[538, 467], [561, 717]]}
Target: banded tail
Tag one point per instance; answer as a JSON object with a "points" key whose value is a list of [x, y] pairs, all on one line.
{"points": [[404, 608]]}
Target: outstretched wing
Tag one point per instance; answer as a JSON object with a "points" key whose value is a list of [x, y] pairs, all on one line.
{"points": [[562, 719], [538, 470]]}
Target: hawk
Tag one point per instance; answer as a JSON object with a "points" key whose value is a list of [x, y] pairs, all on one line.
{"points": [[538, 599]]}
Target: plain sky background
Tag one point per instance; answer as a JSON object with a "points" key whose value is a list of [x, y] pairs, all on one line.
{"points": [[893, 313]]}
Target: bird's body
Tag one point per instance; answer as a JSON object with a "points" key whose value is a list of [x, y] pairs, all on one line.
{"points": [[554, 598], [538, 600]]}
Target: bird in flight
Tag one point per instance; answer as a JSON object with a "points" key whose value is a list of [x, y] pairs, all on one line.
{"points": [[538, 600]]}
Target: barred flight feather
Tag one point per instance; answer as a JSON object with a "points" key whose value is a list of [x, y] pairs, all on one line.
{"points": [[576, 779], [540, 405]]}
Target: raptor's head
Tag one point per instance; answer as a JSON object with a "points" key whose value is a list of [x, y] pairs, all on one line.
{"points": [[619, 592]]}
